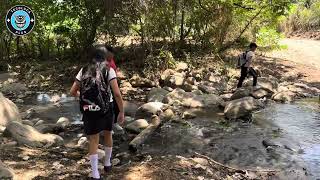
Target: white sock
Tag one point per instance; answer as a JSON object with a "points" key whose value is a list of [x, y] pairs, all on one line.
{"points": [[108, 152], [94, 165]]}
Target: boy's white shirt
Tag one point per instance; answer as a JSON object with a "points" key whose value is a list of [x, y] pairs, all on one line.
{"points": [[249, 57]]}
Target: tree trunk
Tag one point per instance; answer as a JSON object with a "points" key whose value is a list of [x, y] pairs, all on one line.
{"points": [[18, 46], [182, 25]]}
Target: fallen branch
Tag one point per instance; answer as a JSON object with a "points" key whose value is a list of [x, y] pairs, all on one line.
{"points": [[140, 139], [234, 169]]}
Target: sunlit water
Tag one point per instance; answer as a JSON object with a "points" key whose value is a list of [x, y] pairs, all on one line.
{"points": [[299, 122]]}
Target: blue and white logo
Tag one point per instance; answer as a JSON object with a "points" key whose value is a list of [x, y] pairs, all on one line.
{"points": [[20, 20]]}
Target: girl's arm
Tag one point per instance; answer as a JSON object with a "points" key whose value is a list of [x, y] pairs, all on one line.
{"points": [[74, 91], [118, 98]]}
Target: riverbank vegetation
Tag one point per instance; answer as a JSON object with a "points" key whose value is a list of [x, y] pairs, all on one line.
{"points": [[140, 29]]}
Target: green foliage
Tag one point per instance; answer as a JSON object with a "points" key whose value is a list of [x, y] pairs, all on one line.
{"points": [[70, 27], [303, 16], [269, 37]]}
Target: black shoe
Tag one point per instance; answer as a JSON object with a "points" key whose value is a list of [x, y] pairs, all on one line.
{"points": [[107, 169]]}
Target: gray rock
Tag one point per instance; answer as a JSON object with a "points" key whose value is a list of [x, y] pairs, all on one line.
{"points": [[137, 81], [188, 115], [101, 154], [208, 89], [28, 135], [27, 122], [8, 111], [188, 87], [157, 95], [166, 75], [240, 93], [190, 100], [128, 119], [260, 93], [285, 96], [19, 101], [83, 142], [172, 79], [181, 66], [269, 84], [168, 88], [226, 97], [191, 80], [137, 125], [13, 87], [167, 115], [241, 107], [2, 129], [147, 110], [5, 171], [28, 114], [130, 108], [115, 161], [63, 122], [39, 123], [267, 143], [50, 128]]}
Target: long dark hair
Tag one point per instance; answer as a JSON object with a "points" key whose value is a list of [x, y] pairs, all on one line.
{"points": [[97, 57]]}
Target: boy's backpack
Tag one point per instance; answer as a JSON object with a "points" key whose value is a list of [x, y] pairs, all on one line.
{"points": [[94, 94], [242, 59]]}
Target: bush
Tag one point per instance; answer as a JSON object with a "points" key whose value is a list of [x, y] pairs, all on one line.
{"points": [[269, 38]]}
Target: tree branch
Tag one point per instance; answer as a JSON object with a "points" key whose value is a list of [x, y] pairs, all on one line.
{"points": [[243, 30], [243, 7]]}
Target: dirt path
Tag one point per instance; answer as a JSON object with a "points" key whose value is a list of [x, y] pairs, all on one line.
{"points": [[301, 51], [300, 62]]}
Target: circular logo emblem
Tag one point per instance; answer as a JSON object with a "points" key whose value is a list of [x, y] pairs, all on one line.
{"points": [[20, 20]]}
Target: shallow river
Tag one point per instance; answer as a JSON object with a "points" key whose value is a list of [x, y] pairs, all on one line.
{"points": [[295, 128]]}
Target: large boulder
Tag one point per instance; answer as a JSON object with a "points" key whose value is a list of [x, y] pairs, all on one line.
{"points": [[5, 172], [260, 93], [166, 74], [28, 135], [241, 107], [172, 79], [13, 87], [157, 95], [240, 93], [269, 84], [137, 81], [167, 115], [130, 108], [138, 125], [8, 111], [190, 100], [285, 96], [147, 110], [226, 97], [50, 128], [303, 89], [63, 122], [208, 89], [176, 80]]}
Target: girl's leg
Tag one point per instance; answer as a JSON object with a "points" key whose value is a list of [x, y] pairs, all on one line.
{"points": [[93, 147], [108, 148]]}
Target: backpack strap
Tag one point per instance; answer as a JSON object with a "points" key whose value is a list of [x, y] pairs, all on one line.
{"points": [[105, 75]]}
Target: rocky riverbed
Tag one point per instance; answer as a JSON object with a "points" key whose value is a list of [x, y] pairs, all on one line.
{"points": [[204, 120]]}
